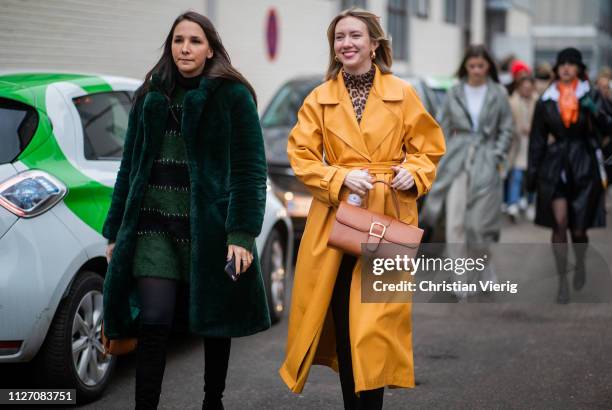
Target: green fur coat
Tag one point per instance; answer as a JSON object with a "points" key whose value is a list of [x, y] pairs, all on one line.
{"points": [[227, 169]]}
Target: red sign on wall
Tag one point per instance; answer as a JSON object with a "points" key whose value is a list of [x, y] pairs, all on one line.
{"points": [[272, 34]]}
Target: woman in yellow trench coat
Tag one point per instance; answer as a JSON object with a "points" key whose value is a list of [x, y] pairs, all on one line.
{"points": [[397, 141]]}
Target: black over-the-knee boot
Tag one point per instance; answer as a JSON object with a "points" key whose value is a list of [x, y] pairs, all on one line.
{"points": [[371, 399], [560, 252], [367, 399], [340, 312], [151, 363], [580, 243], [216, 361]]}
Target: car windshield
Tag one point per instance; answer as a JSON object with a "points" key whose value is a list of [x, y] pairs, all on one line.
{"points": [[282, 110], [18, 122]]}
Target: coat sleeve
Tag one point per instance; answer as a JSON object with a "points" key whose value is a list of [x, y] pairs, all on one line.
{"points": [[537, 145], [444, 115], [424, 145], [114, 216], [601, 112], [506, 127], [305, 151], [248, 170]]}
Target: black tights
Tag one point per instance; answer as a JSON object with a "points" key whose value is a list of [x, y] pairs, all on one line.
{"points": [[368, 399], [158, 301], [559, 236]]}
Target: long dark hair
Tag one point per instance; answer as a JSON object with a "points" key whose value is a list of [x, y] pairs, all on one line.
{"points": [[219, 65], [477, 50]]}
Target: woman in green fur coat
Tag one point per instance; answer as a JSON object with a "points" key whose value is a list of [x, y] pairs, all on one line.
{"points": [[190, 196]]}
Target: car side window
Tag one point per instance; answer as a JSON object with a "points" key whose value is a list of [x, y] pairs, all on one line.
{"points": [[104, 117], [18, 122]]}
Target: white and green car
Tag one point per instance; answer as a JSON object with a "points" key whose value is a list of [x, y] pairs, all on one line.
{"points": [[61, 140]]}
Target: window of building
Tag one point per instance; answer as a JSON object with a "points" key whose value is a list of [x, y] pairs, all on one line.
{"points": [[347, 4], [397, 11], [450, 11], [467, 22], [421, 8]]}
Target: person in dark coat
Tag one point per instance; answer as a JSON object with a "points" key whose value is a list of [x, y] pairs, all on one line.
{"points": [[565, 163], [190, 196], [603, 82]]}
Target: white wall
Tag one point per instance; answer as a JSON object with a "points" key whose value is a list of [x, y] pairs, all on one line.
{"points": [[478, 22], [518, 22], [518, 39], [125, 38], [435, 46], [110, 37], [302, 48]]}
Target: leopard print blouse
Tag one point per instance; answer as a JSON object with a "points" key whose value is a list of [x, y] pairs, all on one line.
{"points": [[359, 87]]}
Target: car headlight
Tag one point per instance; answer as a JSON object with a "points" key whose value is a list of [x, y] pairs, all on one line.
{"points": [[31, 193]]}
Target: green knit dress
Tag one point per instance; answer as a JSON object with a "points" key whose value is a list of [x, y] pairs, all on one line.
{"points": [[162, 248]]}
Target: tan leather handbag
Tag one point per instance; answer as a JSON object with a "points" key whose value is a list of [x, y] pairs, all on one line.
{"points": [[116, 347], [355, 226]]}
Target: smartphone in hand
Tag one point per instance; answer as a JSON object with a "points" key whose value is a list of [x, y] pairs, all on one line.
{"points": [[230, 269]]}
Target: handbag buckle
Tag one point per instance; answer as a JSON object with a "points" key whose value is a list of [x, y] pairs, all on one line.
{"points": [[384, 229]]}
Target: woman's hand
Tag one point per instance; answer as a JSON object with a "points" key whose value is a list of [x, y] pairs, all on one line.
{"points": [[109, 251], [403, 179], [359, 181], [244, 258]]}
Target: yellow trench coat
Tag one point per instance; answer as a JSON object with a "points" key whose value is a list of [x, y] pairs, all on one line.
{"points": [[326, 143]]}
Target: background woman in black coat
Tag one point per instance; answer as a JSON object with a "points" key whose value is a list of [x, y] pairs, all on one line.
{"points": [[563, 163]]}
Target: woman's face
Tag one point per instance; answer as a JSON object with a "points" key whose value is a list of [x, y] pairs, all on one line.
{"points": [[526, 88], [477, 70], [603, 85], [353, 45], [567, 72], [190, 48]]}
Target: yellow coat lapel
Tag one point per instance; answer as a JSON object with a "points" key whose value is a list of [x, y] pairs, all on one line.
{"points": [[380, 118]]}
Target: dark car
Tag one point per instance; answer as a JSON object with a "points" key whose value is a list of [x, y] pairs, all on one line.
{"points": [[278, 119]]}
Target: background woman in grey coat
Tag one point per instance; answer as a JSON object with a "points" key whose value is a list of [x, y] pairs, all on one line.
{"points": [[477, 122]]}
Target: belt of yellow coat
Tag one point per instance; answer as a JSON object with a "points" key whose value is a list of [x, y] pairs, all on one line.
{"points": [[326, 143], [381, 171]]}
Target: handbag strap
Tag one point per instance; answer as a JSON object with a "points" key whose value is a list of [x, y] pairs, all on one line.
{"points": [[393, 195]]}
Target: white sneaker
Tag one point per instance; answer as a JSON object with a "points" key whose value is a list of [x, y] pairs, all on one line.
{"points": [[513, 210]]}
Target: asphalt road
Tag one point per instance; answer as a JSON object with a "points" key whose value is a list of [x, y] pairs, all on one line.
{"points": [[472, 356], [512, 356]]}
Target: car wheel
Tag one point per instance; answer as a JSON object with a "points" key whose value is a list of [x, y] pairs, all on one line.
{"points": [[273, 267], [72, 355]]}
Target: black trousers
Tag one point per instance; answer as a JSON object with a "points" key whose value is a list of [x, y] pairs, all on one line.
{"points": [[158, 303], [368, 399]]}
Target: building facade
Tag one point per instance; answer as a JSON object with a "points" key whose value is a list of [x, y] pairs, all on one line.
{"points": [[270, 41], [586, 25], [509, 29]]}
